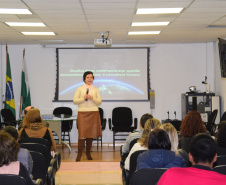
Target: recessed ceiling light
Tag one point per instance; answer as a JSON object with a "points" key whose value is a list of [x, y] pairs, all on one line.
{"points": [[143, 32], [25, 24], [150, 23], [38, 33], [14, 11], [158, 10]]}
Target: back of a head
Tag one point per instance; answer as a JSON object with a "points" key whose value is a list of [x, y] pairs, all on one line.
{"points": [[8, 148], [159, 139], [12, 131], [221, 136], [144, 118], [192, 124], [172, 132], [27, 109], [202, 148], [151, 124], [32, 116]]}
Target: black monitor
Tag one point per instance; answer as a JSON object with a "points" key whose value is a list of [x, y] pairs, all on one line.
{"points": [[222, 56]]}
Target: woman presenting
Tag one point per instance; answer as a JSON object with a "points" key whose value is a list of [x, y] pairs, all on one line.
{"points": [[87, 97]]}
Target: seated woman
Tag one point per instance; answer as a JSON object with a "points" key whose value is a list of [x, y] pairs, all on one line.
{"points": [[173, 136], [221, 138], [172, 132], [23, 154], [8, 158], [33, 127], [142, 143], [191, 125], [159, 154]]}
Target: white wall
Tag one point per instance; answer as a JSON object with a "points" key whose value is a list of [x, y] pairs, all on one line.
{"points": [[173, 68]]}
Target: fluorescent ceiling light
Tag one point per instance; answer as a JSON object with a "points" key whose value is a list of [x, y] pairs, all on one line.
{"points": [[25, 24], [14, 11], [150, 23], [143, 32], [38, 33], [158, 10]]}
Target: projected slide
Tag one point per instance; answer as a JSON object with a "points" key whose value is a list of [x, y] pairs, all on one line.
{"points": [[120, 74]]}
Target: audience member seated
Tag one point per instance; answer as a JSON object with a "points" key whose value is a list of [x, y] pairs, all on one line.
{"points": [[23, 155], [126, 147], [134, 135], [45, 123], [221, 138], [172, 132], [191, 125], [142, 143], [202, 154], [8, 158], [159, 154], [33, 127]]}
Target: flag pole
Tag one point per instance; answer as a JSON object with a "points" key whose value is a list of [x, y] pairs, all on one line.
{"points": [[20, 115], [6, 49]]}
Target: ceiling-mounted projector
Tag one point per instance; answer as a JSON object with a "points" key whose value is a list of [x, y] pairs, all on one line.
{"points": [[104, 41]]}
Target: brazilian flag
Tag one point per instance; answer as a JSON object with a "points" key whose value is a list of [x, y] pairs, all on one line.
{"points": [[9, 96]]}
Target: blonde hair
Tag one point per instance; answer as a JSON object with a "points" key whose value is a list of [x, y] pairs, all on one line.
{"points": [[172, 132], [150, 124], [32, 116]]}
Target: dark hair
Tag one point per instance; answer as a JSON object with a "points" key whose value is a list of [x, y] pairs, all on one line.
{"points": [[192, 124], [8, 148], [159, 139], [12, 131], [202, 148], [221, 136], [87, 73], [144, 118]]}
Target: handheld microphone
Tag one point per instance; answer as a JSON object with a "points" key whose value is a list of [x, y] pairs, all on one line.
{"points": [[87, 92]]}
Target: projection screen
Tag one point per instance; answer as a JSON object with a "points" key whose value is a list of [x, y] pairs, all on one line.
{"points": [[121, 74]]}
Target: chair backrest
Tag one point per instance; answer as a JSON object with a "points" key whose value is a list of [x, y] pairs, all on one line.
{"points": [[220, 169], [39, 165], [122, 117], [103, 120], [9, 179], [133, 142], [212, 117], [133, 161], [147, 176], [66, 125], [39, 148], [67, 111], [7, 115], [223, 117], [221, 160], [36, 140]]}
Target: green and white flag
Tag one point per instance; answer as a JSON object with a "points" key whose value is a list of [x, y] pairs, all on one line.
{"points": [[25, 89]]}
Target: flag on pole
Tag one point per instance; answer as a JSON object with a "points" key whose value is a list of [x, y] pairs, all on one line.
{"points": [[25, 89], [9, 96]]}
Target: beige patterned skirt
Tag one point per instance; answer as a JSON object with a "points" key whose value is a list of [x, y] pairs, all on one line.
{"points": [[89, 124]]}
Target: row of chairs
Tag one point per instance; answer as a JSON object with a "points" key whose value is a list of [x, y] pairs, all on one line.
{"points": [[44, 166], [9, 179]]}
